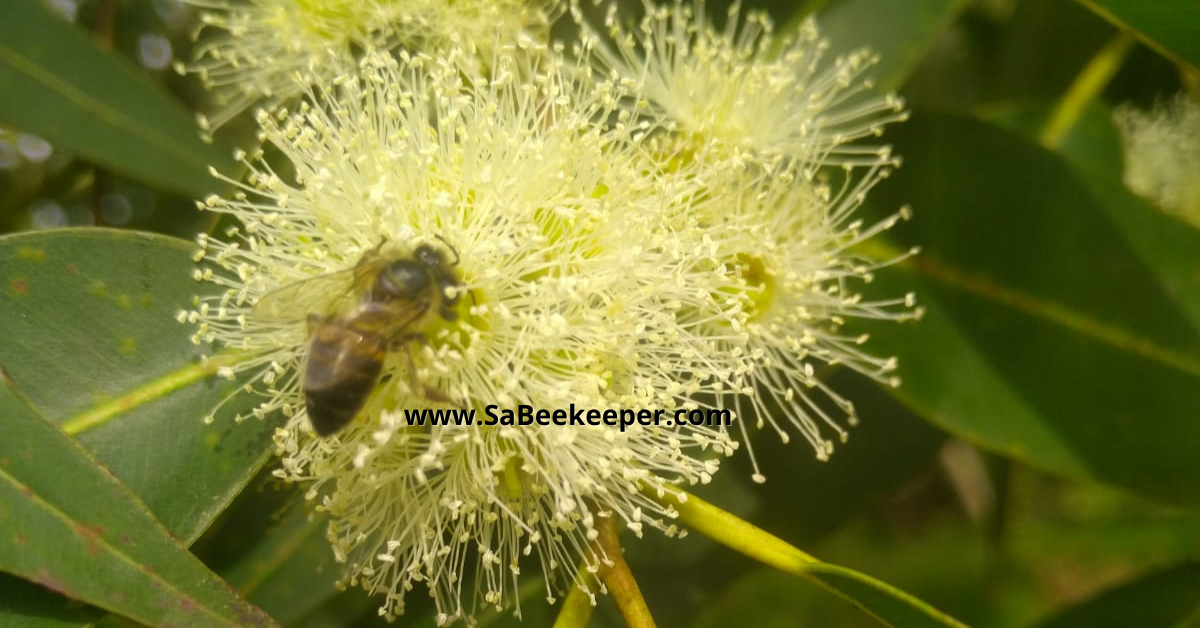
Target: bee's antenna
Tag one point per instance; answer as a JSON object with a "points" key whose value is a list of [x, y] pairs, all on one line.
{"points": [[375, 251], [449, 246]]}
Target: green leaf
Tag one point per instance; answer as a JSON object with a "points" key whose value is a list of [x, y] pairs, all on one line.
{"points": [[1160, 600], [128, 382], [1164, 244], [27, 605], [88, 331], [1081, 535], [886, 603], [72, 527], [885, 451], [889, 605], [1048, 337], [355, 608], [57, 83], [1172, 27], [901, 31], [290, 571]]}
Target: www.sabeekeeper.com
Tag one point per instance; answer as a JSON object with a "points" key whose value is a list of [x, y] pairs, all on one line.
{"points": [[578, 417]]}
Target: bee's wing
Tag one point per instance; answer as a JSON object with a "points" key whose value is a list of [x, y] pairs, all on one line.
{"points": [[390, 318], [322, 294]]}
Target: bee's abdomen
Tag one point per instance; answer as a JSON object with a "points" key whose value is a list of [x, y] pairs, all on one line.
{"points": [[344, 364]]}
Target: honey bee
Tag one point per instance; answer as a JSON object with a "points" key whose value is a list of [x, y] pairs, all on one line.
{"points": [[391, 300]]}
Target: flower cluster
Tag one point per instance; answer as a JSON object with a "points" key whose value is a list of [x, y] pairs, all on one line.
{"points": [[616, 241], [1162, 155], [265, 52]]}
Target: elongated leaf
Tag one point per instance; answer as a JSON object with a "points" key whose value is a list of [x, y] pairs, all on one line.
{"points": [[886, 603], [1170, 26], [88, 330], [355, 608], [27, 605], [901, 31], [72, 527], [1049, 338], [1162, 243], [128, 382], [290, 571], [1166, 246], [59, 84], [1159, 600], [888, 447], [132, 361]]}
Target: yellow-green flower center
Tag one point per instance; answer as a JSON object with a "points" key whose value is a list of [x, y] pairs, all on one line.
{"points": [[760, 288], [329, 19]]}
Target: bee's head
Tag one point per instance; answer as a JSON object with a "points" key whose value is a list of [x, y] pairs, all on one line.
{"points": [[433, 258], [428, 256]]}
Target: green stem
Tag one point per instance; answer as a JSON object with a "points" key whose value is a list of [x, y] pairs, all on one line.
{"points": [[101, 414], [736, 533], [742, 536], [1090, 82], [619, 579], [577, 609]]}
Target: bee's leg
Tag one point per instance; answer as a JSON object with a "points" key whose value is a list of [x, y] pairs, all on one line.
{"points": [[429, 392]]}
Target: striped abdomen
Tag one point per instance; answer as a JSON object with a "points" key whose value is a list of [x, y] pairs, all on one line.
{"points": [[344, 364]]}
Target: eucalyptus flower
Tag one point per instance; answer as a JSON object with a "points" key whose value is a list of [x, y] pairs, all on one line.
{"points": [[602, 255], [792, 246], [776, 127], [1162, 155], [534, 182], [745, 91], [261, 46]]}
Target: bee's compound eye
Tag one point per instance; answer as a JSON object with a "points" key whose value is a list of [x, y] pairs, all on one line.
{"points": [[428, 256]]}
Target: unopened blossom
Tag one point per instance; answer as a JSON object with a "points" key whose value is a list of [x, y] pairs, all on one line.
{"points": [[745, 91], [254, 50], [537, 201], [1162, 155]]}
